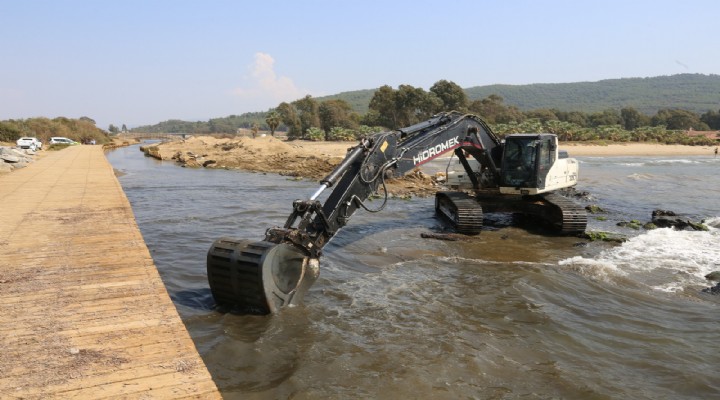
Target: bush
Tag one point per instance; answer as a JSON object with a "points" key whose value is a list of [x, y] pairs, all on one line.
{"points": [[315, 134], [341, 134]]}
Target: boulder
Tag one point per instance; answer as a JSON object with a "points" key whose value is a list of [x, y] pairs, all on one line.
{"points": [[669, 219], [713, 276], [5, 167], [20, 164], [9, 158]]}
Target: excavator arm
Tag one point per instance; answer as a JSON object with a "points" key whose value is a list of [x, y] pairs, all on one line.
{"points": [[366, 166], [261, 277]]}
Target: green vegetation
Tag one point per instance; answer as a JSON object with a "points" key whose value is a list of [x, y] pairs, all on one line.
{"points": [[697, 93], [618, 110], [595, 236], [216, 125], [693, 92], [594, 209], [80, 130]]}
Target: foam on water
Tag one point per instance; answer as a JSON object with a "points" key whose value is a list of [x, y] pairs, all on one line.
{"points": [[664, 259]]}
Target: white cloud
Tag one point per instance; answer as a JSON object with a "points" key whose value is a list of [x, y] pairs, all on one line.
{"points": [[264, 87]]}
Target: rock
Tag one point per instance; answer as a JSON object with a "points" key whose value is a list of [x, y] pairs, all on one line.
{"points": [[192, 163], [634, 224], [572, 192], [715, 290], [713, 276], [663, 213], [594, 209], [649, 226], [12, 159], [679, 224], [669, 219], [151, 151], [18, 165], [594, 236], [8, 158]]}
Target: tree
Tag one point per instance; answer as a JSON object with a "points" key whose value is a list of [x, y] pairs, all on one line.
{"points": [[383, 109], [451, 95], [308, 112], [336, 113], [273, 121], [678, 120], [541, 114], [289, 116], [607, 117], [633, 119], [574, 117], [9, 131], [113, 129], [124, 128], [413, 105], [712, 119], [492, 110]]}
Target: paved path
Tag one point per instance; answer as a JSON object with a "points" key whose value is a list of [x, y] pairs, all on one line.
{"points": [[83, 311]]}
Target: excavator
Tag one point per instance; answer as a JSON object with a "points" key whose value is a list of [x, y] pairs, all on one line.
{"points": [[520, 174]]}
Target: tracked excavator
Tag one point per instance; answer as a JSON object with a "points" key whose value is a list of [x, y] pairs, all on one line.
{"points": [[520, 174]]}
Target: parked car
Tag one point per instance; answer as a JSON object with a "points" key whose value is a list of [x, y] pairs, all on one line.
{"points": [[61, 140], [29, 143]]}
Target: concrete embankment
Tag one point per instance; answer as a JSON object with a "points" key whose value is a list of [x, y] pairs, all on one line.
{"points": [[83, 311]]}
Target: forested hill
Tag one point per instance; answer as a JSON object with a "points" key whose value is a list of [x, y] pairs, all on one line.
{"points": [[693, 92]]}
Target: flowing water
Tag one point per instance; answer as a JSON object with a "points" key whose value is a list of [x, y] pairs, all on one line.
{"points": [[507, 314]]}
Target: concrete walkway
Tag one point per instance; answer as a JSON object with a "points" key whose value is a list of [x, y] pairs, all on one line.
{"points": [[83, 311]]}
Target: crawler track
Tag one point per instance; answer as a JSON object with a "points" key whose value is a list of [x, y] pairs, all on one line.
{"points": [[461, 210], [568, 217]]}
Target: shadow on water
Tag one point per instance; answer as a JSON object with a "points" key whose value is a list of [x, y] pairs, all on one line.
{"points": [[198, 299], [256, 354]]}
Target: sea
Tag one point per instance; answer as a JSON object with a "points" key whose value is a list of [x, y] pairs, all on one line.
{"points": [[512, 313]]}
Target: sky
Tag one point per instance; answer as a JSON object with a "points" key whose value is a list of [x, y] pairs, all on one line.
{"points": [[139, 62]]}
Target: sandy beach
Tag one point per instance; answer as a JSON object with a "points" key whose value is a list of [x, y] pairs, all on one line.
{"points": [[635, 149]]}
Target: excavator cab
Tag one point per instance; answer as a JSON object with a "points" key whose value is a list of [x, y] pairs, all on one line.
{"points": [[527, 158]]}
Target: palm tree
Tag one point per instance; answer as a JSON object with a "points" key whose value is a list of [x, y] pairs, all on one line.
{"points": [[272, 120]]}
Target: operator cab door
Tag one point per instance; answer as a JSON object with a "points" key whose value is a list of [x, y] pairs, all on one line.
{"points": [[545, 159], [526, 161]]}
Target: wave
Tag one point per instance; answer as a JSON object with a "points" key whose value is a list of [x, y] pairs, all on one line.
{"points": [[663, 259]]}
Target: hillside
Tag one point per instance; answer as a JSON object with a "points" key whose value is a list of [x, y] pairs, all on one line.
{"points": [[693, 92]]}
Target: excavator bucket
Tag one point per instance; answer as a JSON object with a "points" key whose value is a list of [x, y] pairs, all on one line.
{"points": [[258, 277]]}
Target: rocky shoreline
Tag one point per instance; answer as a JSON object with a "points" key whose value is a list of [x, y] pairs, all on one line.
{"points": [[14, 158]]}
